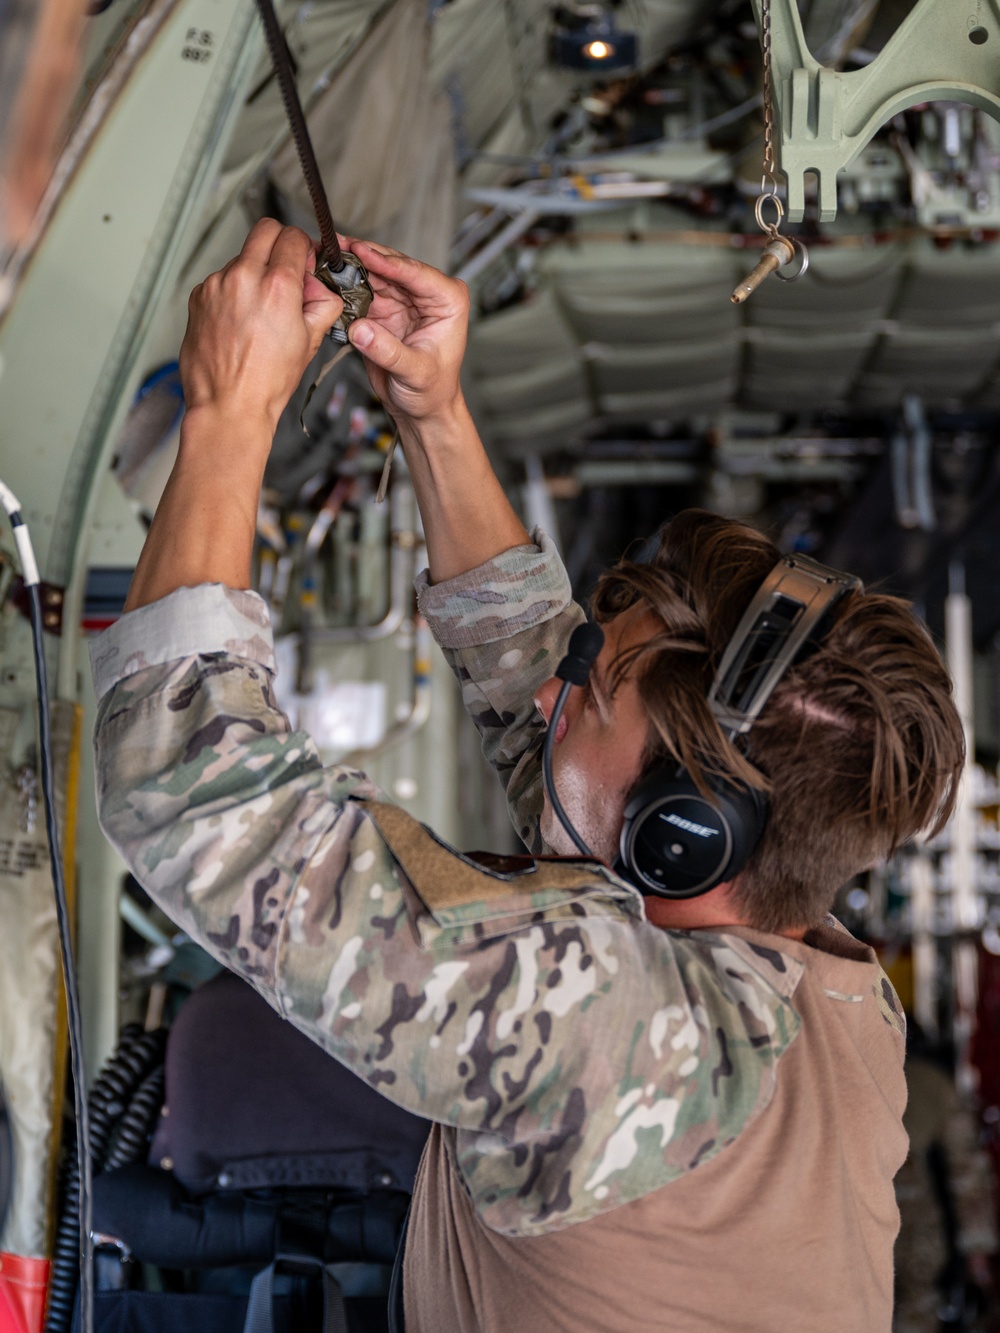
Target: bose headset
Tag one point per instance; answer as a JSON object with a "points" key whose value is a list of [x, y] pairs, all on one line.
{"points": [[675, 842]]}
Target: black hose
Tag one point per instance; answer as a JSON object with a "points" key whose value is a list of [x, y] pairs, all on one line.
{"points": [[73, 1014], [121, 1113], [6, 1160]]}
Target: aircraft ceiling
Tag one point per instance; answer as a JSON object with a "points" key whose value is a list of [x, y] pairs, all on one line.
{"points": [[605, 342]]}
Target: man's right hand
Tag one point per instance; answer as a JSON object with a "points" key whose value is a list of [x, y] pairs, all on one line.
{"points": [[413, 339], [253, 327]]}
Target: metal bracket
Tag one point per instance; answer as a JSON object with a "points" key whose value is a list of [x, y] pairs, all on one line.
{"points": [[827, 117], [53, 599]]}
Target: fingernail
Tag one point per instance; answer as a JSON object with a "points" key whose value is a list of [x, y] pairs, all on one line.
{"points": [[361, 333]]}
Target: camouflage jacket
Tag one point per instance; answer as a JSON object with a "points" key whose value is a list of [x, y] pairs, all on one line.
{"points": [[583, 1056]]}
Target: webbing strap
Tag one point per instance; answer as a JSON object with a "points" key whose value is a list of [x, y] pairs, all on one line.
{"points": [[396, 1324], [260, 1307], [334, 1313]]}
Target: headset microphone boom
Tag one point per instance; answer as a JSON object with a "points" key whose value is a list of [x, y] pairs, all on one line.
{"points": [[585, 643]]}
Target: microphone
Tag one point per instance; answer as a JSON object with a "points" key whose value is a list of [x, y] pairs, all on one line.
{"points": [[585, 643]]}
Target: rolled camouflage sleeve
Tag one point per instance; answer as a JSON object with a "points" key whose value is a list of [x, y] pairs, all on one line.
{"points": [[214, 802], [503, 628]]}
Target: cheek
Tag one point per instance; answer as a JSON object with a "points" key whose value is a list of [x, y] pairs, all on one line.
{"points": [[596, 787], [603, 767]]}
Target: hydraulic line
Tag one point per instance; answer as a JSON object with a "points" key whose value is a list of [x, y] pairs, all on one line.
{"points": [[32, 580], [333, 504]]}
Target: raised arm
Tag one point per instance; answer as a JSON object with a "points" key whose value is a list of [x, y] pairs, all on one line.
{"points": [[252, 330], [413, 343]]}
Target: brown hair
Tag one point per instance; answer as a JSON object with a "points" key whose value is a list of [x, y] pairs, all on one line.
{"points": [[859, 748]]}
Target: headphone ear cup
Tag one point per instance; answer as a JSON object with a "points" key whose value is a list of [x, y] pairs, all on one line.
{"points": [[678, 844]]}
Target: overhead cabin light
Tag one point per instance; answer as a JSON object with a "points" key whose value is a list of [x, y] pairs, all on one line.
{"points": [[586, 36]]}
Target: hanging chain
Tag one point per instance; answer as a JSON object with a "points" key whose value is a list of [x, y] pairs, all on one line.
{"points": [[779, 250], [768, 181]]}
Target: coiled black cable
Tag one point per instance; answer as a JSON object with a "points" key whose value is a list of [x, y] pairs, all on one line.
{"points": [[123, 1105], [132, 1134]]}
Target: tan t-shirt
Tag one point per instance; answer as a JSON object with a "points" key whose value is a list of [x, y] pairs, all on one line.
{"points": [[789, 1229]]}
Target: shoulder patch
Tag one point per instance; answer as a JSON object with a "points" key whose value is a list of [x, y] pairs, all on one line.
{"points": [[461, 892]]}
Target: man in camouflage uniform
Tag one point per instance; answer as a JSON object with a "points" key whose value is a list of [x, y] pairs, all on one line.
{"points": [[649, 1115]]}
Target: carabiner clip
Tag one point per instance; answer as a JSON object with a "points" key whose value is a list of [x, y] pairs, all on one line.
{"points": [[352, 286]]}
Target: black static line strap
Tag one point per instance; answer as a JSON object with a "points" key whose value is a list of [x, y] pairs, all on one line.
{"points": [[64, 923], [300, 133], [6, 1160]]}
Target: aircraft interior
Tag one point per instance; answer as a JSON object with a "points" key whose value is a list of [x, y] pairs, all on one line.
{"points": [[736, 255]]}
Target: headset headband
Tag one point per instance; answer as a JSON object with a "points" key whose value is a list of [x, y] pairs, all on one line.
{"points": [[784, 612]]}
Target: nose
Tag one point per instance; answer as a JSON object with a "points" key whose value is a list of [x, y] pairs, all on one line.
{"points": [[546, 695]]}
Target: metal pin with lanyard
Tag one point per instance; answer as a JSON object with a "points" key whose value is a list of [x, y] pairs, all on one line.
{"points": [[338, 271], [780, 250]]}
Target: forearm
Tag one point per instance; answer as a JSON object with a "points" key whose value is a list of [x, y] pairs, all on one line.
{"points": [[252, 329], [467, 517], [413, 341], [203, 531], [503, 627]]}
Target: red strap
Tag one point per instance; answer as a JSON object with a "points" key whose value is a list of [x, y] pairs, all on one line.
{"points": [[23, 1284]]}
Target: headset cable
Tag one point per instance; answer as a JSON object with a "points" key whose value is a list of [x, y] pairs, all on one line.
{"points": [[585, 643]]}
